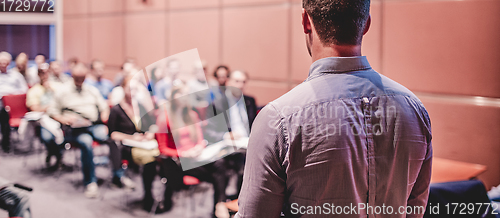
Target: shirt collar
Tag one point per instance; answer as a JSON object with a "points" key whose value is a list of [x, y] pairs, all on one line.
{"points": [[338, 65], [72, 87], [230, 96]]}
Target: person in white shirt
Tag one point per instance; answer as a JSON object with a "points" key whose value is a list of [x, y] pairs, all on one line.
{"points": [[57, 77], [11, 83], [30, 74]]}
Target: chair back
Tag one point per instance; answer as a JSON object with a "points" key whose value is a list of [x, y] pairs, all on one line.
{"points": [[16, 106]]}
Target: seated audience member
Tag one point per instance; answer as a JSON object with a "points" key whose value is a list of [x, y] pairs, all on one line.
{"points": [[199, 86], [40, 95], [210, 79], [240, 114], [162, 87], [125, 125], [39, 60], [181, 137], [95, 78], [71, 63], [56, 76], [122, 124], [221, 74], [29, 74], [127, 67], [11, 83], [38, 99], [117, 94], [33, 70], [81, 110], [14, 200]]}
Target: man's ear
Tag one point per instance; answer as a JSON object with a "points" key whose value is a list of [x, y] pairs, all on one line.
{"points": [[367, 24], [306, 22]]}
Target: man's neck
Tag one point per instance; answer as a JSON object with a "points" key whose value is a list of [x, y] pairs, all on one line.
{"points": [[320, 52]]}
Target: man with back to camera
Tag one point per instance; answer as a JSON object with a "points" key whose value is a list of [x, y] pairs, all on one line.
{"points": [[346, 137]]}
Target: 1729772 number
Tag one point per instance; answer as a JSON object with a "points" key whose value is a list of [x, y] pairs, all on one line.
{"points": [[27, 5], [470, 208]]}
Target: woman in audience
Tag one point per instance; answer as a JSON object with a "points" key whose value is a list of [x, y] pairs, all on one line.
{"points": [[181, 137], [123, 124]]}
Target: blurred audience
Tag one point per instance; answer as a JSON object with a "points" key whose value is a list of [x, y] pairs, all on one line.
{"points": [[40, 95], [76, 101], [96, 80], [221, 73], [71, 63], [238, 79], [29, 74], [210, 80], [39, 60], [81, 110], [127, 67], [38, 99], [241, 110], [162, 87], [125, 124], [181, 136], [56, 76], [32, 71], [199, 86], [11, 83]]}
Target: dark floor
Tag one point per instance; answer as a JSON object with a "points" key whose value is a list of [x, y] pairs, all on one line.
{"points": [[60, 193]]}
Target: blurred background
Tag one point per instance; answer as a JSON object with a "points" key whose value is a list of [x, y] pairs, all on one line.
{"points": [[446, 51]]}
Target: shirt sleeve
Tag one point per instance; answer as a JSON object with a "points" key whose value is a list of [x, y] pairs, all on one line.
{"points": [[420, 191], [263, 189], [112, 121], [164, 136], [33, 96], [55, 107], [163, 140], [100, 101]]}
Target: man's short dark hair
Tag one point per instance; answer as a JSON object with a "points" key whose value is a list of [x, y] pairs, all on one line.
{"points": [[221, 67], [339, 22]]}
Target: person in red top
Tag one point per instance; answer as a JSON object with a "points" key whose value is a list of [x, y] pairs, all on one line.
{"points": [[186, 128], [180, 136]]}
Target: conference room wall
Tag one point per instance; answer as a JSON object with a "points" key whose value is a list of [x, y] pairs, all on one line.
{"points": [[445, 51]]}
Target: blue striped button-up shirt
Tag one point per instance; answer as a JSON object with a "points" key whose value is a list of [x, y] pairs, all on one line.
{"points": [[347, 142]]}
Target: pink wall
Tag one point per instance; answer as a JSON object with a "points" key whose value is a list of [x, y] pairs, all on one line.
{"points": [[445, 51]]}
